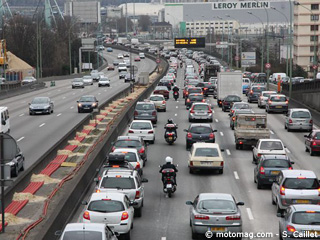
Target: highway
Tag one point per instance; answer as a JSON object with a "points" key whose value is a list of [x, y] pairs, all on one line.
{"points": [[36, 134], [168, 218]]}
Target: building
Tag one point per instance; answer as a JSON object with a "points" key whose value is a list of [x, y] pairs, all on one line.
{"points": [[87, 12], [114, 12], [161, 30], [306, 34]]}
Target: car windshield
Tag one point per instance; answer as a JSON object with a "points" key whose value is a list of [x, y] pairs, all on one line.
{"points": [[104, 79], [161, 88], [40, 100], [145, 107], [130, 157], [317, 136], [217, 205], [306, 218], [118, 182], [233, 99], [267, 94], [82, 234], [206, 152], [127, 144], [258, 89], [87, 99], [275, 163], [77, 80], [278, 99], [196, 97], [271, 145], [106, 206], [141, 125], [241, 106], [301, 183], [157, 98], [300, 114], [193, 82], [200, 130], [208, 84], [200, 107], [194, 90], [86, 77]]}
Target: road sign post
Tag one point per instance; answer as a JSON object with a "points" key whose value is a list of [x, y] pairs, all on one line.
{"points": [[267, 66]]}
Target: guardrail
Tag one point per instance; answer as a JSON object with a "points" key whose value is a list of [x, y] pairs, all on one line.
{"points": [[311, 86]]}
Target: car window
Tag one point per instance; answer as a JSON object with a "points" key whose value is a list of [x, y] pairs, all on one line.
{"points": [[301, 183], [126, 201], [130, 157], [306, 218], [156, 98], [276, 163], [200, 107], [87, 99], [106, 206], [196, 97], [267, 94], [233, 98], [241, 106], [200, 130], [117, 182], [300, 114], [317, 136], [206, 152], [141, 125], [145, 107], [278, 99], [80, 235], [40, 100], [217, 205], [127, 144], [258, 89], [271, 145]]}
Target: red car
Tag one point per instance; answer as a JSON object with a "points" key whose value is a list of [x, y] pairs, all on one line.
{"points": [[162, 90], [110, 67], [312, 142], [137, 59]]}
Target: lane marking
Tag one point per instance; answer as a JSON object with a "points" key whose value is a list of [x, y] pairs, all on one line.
{"points": [[99, 93], [21, 115], [74, 93], [228, 152], [177, 101], [250, 214], [59, 90], [221, 133], [20, 139], [72, 107], [212, 111], [236, 176], [315, 127], [176, 115], [59, 114], [163, 238], [216, 120], [271, 132], [106, 89], [287, 150], [177, 107], [64, 98], [41, 125]]}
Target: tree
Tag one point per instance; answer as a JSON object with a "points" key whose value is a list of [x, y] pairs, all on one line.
{"points": [[144, 22], [121, 22]]}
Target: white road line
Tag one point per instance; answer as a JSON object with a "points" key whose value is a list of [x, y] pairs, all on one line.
{"points": [[99, 93], [236, 176], [74, 93], [64, 98], [163, 238], [72, 107], [212, 111], [41, 125], [59, 114], [216, 120], [106, 89], [250, 214], [271, 132], [59, 90], [315, 127], [228, 152], [20, 139], [176, 115], [23, 102], [177, 106], [288, 151], [177, 101], [21, 115], [221, 133]]}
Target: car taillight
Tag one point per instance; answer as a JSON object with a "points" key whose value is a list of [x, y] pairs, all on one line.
{"points": [[135, 113], [130, 131], [290, 168], [187, 92], [251, 92], [138, 165], [189, 135], [112, 149], [137, 195], [141, 150], [291, 228], [258, 155], [188, 100], [232, 111], [98, 191], [233, 118], [205, 88], [314, 143], [269, 102], [234, 217], [150, 131], [203, 100], [282, 189], [201, 217], [311, 121], [125, 216], [209, 110], [154, 113], [262, 170], [163, 102], [211, 136], [191, 163], [86, 215], [290, 120], [287, 102], [318, 191]]}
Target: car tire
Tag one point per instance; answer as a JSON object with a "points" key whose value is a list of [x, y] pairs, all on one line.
{"points": [[311, 152], [285, 126], [152, 142], [272, 201], [72, 87], [253, 159], [288, 129], [79, 111], [138, 212], [131, 226], [99, 85], [279, 210], [127, 236], [211, 120], [165, 110], [30, 113], [51, 110], [22, 167], [190, 120], [194, 235], [15, 172], [307, 150]]}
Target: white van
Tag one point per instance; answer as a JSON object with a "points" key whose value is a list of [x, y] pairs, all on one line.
{"points": [[318, 75], [4, 120], [275, 77], [142, 56]]}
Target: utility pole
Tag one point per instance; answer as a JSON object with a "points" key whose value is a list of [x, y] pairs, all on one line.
{"points": [[126, 19]]}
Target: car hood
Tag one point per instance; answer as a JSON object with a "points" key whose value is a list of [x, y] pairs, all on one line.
{"points": [[39, 105]]}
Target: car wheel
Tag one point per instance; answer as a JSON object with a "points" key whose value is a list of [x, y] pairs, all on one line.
{"points": [[307, 150], [79, 111], [272, 201], [138, 212], [127, 236], [190, 120], [72, 87], [253, 159], [152, 142], [30, 113], [51, 110], [194, 235], [288, 129], [165, 110], [131, 226], [15, 171], [311, 152], [285, 126], [99, 85], [22, 167]]}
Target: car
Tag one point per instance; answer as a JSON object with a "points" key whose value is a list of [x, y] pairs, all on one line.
{"points": [[132, 142], [97, 231], [122, 66], [145, 111], [122, 74], [277, 103], [143, 129], [129, 78], [205, 156], [115, 62], [300, 219], [87, 80], [17, 163], [192, 98], [95, 75], [28, 80], [207, 88], [109, 49], [87, 103], [41, 105], [236, 113], [100, 48], [104, 81], [165, 82], [114, 206], [77, 83], [298, 119], [192, 82], [142, 55], [217, 212], [192, 89], [171, 76], [263, 98], [245, 84], [237, 106], [254, 92], [162, 90], [200, 111], [295, 187], [133, 157], [312, 142], [269, 167], [126, 54], [199, 132], [159, 101], [228, 101], [124, 181], [120, 56], [137, 59], [110, 67], [267, 147]]}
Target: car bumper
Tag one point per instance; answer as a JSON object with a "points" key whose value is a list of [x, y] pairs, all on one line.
{"points": [[190, 142], [202, 229], [199, 117], [89, 109], [77, 86], [284, 203], [253, 98], [280, 109], [148, 137], [39, 111], [121, 228], [206, 167], [104, 84], [208, 92], [315, 149], [298, 126], [160, 107], [266, 180]]}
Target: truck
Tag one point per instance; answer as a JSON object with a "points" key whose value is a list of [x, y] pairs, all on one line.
{"points": [[210, 70], [228, 83], [134, 41], [249, 128], [122, 40]]}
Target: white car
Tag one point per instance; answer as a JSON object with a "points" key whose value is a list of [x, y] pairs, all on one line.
{"points": [[120, 56], [122, 67], [142, 56], [112, 208], [77, 83], [28, 80], [87, 80], [143, 129], [268, 147], [159, 101], [95, 75], [133, 157], [104, 81], [262, 100]]}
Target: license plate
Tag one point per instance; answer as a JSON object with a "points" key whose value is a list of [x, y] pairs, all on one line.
{"points": [[200, 113], [302, 201], [275, 172], [170, 138], [86, 108], [169, 185], [206, 163], [278, 106], [38, 112], [144, 114], [218, 229], [157, 106]]}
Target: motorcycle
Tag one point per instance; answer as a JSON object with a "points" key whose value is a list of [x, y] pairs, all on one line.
{"points": [[170, 134], [168, 181], [176, 95]]}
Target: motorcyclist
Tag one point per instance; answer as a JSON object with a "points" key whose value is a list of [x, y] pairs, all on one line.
{"points": [[174, 129], [169, 164], [181, 64], [175, 88]]}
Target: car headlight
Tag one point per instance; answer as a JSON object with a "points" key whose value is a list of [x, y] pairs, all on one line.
{"points": [[10, 163], [79, 105], [94, 104], [47, 106]]}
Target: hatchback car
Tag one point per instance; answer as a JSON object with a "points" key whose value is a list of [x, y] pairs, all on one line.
{"points": [[159, 101], [192, 89], [298, 119], [295, 187], [200, 111], [104, 81], [16, 164], [207, 88], [77, 83], [28, 80], [263, 98], [87, 103], [120, 56], [228, 101], [277, 103], [133, 157], [122, 74], [109, 49], [214, 212], [312, 142], [269, 167], [143, 129], [267, 147], [129, 78], [162, 90], [112, 208], [199, 132], [164, 82], [87, 80], [41, 105], [110, 67], [145, 111], [194, 98], [239, 106], [205, 156], [254, 92]]}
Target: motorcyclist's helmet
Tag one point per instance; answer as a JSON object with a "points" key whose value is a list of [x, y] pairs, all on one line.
{"points": [[170, 120], [169, 160]]}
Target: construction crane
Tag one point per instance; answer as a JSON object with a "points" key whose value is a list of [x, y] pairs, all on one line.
{"points": [[50, 8]]}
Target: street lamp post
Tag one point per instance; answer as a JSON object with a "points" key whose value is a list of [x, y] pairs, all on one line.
{"points": [[227, 15], [69, 43], [222, 51]]}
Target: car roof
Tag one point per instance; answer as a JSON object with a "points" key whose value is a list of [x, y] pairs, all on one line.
{"points": [[112, 172], [224, 196], [85, 226], [200, 103], [145, 121], [270, 140], [108, 195], [306, 207], [206, 145], [268, 157], [200, 125], [151, 103], [156, 95], [298, 173], [136, 138], [277, 95], [123, 150], [299, 109], [236, 103]]}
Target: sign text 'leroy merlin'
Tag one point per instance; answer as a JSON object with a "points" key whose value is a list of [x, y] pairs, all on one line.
{"points": [[240, 5]]}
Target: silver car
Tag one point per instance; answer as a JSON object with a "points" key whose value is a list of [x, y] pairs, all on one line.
{"points": [[298, 119], [264, 98], [200, 111], [104, 81], [159, 101], [300, 221], [87, 80], [145, 111], [214, 213], [277, 103], [295, 187], [41, 105], [77, 83]]}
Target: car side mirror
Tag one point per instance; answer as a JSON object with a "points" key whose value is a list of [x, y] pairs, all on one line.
{"points": [[58, 233], [214, 130], [84, 203], [292, 162], [96, 180], [144, 180], [3, 122], [222, 150], [281, 215], [189, 203], [185, 130], [133, 203], [240, 203]]}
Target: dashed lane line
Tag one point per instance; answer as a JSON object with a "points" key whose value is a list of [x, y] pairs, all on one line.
{"points": [[236, 176], [250, 214], [287, 150], [41, 125], [177, 106], [221, 133], [21, 115], [20, 139], [72, 107], [271, 132], [59, 114], [216, 120], [228, 152]]}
